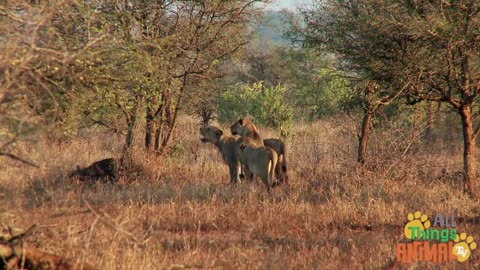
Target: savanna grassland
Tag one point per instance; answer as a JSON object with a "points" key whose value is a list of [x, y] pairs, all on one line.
{"points": [[179, 212], [377, 102]]}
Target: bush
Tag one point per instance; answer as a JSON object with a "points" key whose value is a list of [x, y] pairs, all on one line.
{"points": [[268, 105]]}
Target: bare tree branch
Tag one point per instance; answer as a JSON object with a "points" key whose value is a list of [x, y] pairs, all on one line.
{"points": [[12, 156]]}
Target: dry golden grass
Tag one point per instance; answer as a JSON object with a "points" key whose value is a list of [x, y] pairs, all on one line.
{"points": [[179, 211]]}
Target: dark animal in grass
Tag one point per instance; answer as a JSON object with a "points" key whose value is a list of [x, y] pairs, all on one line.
{"points": [[102, 170]]}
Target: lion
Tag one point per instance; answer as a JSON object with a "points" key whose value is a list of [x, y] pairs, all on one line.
{"points": [[260, 161], [249, 132], [281, 149], [229, 147]]}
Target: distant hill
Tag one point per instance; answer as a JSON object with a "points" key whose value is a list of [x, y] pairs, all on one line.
{"points": [[272, 27]]}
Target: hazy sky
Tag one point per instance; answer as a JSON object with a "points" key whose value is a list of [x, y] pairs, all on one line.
{"points": [[288, 4]]}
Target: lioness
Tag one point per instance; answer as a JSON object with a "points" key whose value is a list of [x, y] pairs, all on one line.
{"points": [[229, 147], [245, 128], [281, 149], [260, 161], [249, 132]]}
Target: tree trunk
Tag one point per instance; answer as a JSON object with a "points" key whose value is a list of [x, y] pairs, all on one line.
{"points": [[172, 122], [162, 111], [167, 120], [149, 117], [364, 136], [131, 123], [431, 121], [468, 150], [158, 131], [159, 116], [165, 130]]}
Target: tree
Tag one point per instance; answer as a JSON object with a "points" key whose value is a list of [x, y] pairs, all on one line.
{"points": [[187, 39], [201, 101], [157, 55], [38, 47], [118, 83], [362, 46], [428, 49], [444, 66], [314, 87], [206, 33]]}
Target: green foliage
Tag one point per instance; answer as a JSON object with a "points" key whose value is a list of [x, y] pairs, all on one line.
{"points": [[268, 105], [315, 87], [351, 101], [324, 94], [115, 85]]}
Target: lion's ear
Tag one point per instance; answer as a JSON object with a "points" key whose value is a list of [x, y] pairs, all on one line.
{"points": [[219, 133], [240, 122]]}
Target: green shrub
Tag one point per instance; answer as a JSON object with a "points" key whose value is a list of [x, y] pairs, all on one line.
{"points": [[268, 105]]}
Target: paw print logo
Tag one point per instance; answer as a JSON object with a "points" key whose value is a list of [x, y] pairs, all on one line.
{"points": [[463, 247], [415, 223]]}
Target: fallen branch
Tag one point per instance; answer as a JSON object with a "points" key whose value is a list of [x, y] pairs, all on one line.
{"points": [[16, 254], [12, 156]]}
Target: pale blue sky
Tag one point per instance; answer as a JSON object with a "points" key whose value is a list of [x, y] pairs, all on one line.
{"points": [[288, 4]]}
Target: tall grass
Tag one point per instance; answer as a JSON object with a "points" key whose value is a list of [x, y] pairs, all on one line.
{"points": [[179, 211]]}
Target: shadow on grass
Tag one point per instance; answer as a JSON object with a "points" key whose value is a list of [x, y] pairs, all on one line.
{"points": [[55, 189]]}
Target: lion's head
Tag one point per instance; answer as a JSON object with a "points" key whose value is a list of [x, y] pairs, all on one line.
{"points": [[210, 134], [243, 126]]}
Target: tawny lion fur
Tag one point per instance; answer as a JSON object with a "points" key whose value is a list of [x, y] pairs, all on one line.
{"points": [[229, 147], [249, 132], [260, 161]]}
